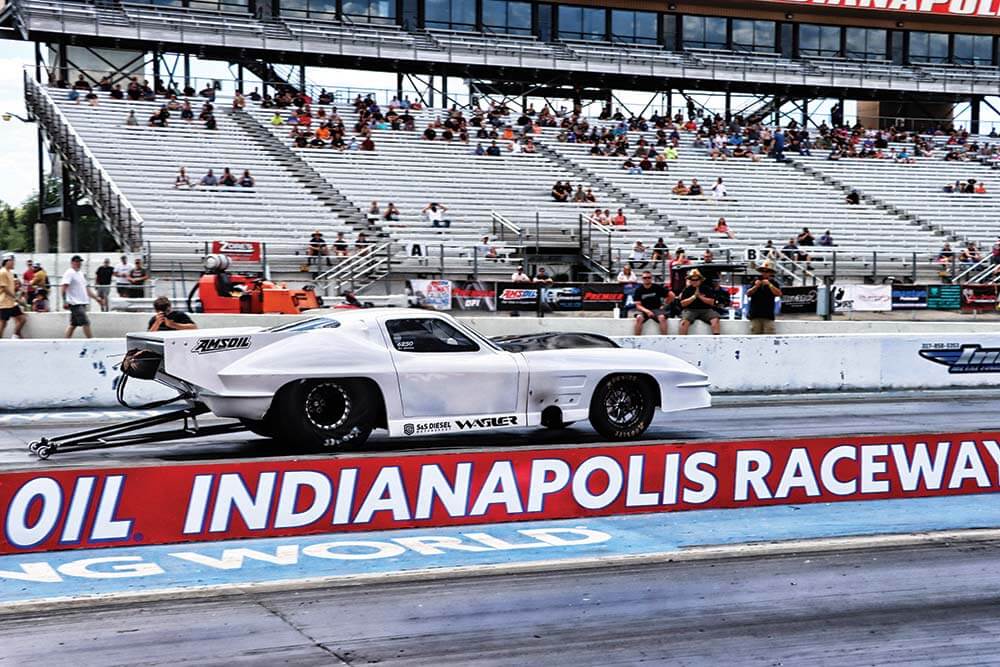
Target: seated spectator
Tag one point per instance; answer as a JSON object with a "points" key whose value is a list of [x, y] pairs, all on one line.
{"points": [[486, 249], [638, 255], [40, 302], [946, 254], [168, 319], [791, 251], [211, 123], [980, 188], [719, 189], [627, 275], [317, 245], [579, 195], [479, 150], [131, 120], [969, 187], [680, 189], [117, 93], [973, 251], [708, 256], [619, 219], [367, 144], [722, 229], [493, 150], [276, 119], [159, 118], [209, 179], [695, 189], [558, 193], [391, 213], [661, 163], [374, 212], [227, 178], [239, 102], [805, 237], [589, 196], [361, 244], [435, 215], [182, 179], [430, 133], [187, 113], [631, 167], [246, 180], [826, 239], [542, 276], [660, 250], [853, 198], [340, 247]]}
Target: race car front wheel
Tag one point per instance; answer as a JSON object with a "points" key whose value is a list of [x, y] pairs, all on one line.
{"points": [[326, 415], [622, 407]]}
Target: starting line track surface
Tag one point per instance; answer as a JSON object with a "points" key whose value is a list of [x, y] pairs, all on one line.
{"points": [[47, 509], [180, 570]]}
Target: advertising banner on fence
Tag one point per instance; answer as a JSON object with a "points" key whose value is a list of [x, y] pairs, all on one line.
{"points": [[799, 299], [238, 251], [518, 296], [603, 296], [866, 298], [86, 508], [979, 298], [473, 295], [944, 297], [434, 294], [909, 297]]}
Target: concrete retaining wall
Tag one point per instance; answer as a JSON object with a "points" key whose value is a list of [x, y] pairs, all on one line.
{"points": [[79, 373]]}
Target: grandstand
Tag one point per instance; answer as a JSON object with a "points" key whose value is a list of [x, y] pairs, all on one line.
{"points": [[788, 59]]}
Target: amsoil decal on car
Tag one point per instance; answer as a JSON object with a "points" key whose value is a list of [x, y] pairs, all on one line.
{"points": [[207, 345], [56, 509], [964, 359]]}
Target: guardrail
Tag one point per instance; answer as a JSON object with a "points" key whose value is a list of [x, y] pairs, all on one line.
{"points": [[107, 200]]}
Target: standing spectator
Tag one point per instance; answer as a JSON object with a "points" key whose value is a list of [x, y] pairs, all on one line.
{"points": [[542, 276], [698, 304], [9, 307], [627, 275], [104, 274], [137, 278], [762, 295], [650, 301], [520, 276], [26, 278], [76, 297], [435, 215], [168, 319], [121, 277]]}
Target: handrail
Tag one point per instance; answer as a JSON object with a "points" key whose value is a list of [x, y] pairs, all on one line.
{"points": [[46, 109], [360, 265], [503, 223], [978, 266]]}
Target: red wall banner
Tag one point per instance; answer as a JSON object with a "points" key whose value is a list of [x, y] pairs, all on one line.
{"points": [[957, 8], [85, 508], [238, 251]]}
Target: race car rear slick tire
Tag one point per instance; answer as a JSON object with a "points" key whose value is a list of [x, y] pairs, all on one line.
{"points": [[622, 407], [325, 415], [263, 427]]}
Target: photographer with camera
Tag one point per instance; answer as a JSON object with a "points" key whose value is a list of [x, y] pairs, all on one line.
{"points": [[168, 319]]}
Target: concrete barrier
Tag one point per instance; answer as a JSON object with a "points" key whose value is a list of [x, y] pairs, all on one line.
{"points": [[114, 325], [79, 373]]}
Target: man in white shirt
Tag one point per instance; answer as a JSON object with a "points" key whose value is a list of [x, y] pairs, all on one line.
{"points": [[627, 275], [76, 297], [121, 277], [520, 276]]}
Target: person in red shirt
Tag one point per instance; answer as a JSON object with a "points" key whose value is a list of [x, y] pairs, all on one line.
{"points": [[619, 219]]}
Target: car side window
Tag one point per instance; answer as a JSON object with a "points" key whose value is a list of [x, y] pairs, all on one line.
{"points": [[428, 335]]}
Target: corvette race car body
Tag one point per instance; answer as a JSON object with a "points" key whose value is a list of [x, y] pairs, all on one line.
{"points": [[327, 381]]}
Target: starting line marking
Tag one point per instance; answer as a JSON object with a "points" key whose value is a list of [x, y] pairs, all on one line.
{"points": [[205, 568]]}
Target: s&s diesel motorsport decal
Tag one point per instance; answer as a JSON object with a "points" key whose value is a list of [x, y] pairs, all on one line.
{"points": [[57, 509], [965, 359], [207, 345]]}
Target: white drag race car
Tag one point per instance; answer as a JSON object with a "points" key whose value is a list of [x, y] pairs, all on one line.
{"points": [[325, 382]]}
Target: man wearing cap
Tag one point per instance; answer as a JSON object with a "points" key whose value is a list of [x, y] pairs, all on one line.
{"points": [[9, 307], [698, 303], [76, 297], [762, 295]]}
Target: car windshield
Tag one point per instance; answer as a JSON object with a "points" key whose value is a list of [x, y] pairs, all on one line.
{"points": [[306, 325]]}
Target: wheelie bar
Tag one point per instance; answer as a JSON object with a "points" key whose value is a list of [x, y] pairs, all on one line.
{"points": [[105, 437]]}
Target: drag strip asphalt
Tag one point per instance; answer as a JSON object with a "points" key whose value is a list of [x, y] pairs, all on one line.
{"points": [[929, 604], [733, 418]]}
